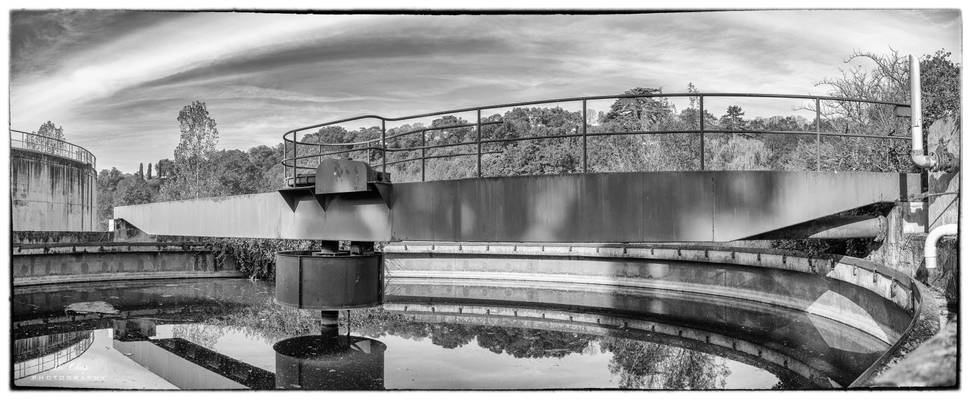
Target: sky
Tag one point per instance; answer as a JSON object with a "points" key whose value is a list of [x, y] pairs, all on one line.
{"points": [[116, 80]]}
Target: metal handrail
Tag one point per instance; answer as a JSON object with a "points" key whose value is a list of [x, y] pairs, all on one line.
{"points": [[291, 164], [53, 146]]}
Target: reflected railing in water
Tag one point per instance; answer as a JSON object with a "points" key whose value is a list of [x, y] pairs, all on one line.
{"points": [[38, 354]]}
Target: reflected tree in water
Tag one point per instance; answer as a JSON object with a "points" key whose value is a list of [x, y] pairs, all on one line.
{"points": [[531, 343], [451, 336], [645, 365], [201, 334]]}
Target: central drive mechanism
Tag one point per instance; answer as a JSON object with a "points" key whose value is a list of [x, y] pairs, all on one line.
{"points": [[328, 281]]}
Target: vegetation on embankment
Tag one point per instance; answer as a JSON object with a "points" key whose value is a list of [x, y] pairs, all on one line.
{"points": [[254, 257]]}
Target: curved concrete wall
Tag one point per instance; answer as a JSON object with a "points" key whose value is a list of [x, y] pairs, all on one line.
{"points": [[41, 264], [51, 193], [877, 302]]}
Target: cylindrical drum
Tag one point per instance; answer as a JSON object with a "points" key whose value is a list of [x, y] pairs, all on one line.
{"points": [[328, 282], [323, 362]]}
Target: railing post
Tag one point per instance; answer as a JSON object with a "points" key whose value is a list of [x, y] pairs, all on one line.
{"points": [[702, 131], [294, 159], [585, 159], [478, 127], [818, 134], [383, 146], [424, 145]]}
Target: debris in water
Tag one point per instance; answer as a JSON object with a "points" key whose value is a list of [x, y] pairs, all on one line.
{"points": [[89, 307]]}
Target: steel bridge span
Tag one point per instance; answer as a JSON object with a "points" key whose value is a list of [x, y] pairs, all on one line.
{"points": [[342, 199]]}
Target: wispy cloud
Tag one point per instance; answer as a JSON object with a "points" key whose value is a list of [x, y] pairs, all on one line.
{"points": [[116, 80]]}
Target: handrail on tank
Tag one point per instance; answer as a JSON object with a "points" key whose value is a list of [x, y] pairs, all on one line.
{"points": [[52, 146], [379, 145]]}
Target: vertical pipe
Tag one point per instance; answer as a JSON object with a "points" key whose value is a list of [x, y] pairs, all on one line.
{"points": [[383, 146], [702, 131], [818, 134], [585, 160], [478, 127], [424, 144], [918, 152]]}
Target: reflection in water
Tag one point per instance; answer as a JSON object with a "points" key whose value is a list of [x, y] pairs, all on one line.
{"points": [[230, 334], [35, 355], [643, 365], [330, 362]]}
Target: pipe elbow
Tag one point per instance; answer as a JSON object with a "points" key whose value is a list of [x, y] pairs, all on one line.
{"points": [[929, 248], [925, 161]]}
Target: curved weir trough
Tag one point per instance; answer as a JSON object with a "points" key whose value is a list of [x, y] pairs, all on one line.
{"points": [[501, 316], [828, 319]]}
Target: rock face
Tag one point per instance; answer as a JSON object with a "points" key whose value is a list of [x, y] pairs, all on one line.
{"points": [[932, 364], [943, 139]]}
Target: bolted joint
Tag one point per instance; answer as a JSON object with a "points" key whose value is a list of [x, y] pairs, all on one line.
{"points": [[947, 162]]}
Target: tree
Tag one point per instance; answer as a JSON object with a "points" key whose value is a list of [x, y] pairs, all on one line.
{"points": [[149, 171], [234, 173], [49, 138], [651, 152], [141, 170], [885, 77], [193, 172], [132, 189], [107, 186], [940, 79], [164, 168], [733, 119]]}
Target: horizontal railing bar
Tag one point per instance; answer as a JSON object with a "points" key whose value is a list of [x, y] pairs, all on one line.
{"points": [[441, 156], [468, 125], [607, 97], [396, 135], [434, 146], [327, 154], [665, 132]]}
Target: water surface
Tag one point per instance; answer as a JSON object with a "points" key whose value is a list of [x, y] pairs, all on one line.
{"points": [[229, 334]]}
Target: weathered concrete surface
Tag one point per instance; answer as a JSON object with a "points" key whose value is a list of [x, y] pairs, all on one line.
{"points": [[901, 249], [51, 193], [53, 237], [905, 254], [38, 269], [884, 282], [613, 207], [835, 299]]}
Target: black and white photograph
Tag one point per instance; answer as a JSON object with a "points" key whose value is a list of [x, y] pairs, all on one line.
{"points": [[214, 197]]}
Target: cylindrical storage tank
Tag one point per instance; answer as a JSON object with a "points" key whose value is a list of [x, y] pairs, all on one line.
{"points": [[330, 363], [51, 192], [328, 282]]}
